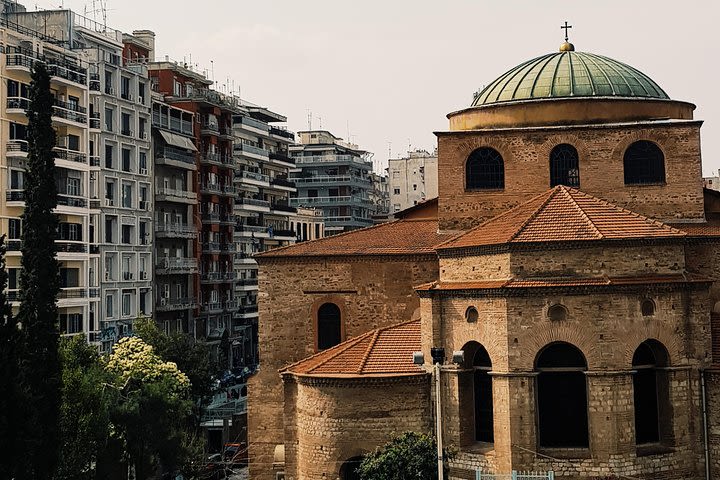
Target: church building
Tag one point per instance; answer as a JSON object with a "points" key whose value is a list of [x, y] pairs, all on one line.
{"points": [[572, 254]]}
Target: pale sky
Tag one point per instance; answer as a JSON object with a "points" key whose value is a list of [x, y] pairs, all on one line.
{"points": [[391, 70]]}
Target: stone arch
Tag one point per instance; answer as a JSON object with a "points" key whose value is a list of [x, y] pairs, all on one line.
{"points": [[583, 339], [651, 394], [716, 307], [348, 468], [339, 301], [465, 148], [652, 331], [618, 152], [484, 170]]}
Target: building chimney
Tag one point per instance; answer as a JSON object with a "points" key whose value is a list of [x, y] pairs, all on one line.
{"points": [[147, 36]]}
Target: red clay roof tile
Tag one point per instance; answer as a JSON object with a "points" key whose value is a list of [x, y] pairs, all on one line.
{"points": [[562, 214], [400, 237], [384, 351]]}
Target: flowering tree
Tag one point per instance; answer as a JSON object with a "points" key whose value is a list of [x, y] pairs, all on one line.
{"points": [[153, 418]]}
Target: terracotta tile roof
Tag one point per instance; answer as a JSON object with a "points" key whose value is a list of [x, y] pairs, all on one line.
{"points": [[698, 229], [562, 214], [385, 351], [562, 282], [400, 237]]}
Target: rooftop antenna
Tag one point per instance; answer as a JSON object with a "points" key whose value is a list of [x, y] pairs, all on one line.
{"points": [[320, 121], [212, 70], [389, 150], [309, 119]]}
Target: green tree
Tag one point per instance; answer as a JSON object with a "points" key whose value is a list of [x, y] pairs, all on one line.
{"points": [[154, 412], [409, 455], [85, 412], [39, 288], [191, 357], [10, 343]]}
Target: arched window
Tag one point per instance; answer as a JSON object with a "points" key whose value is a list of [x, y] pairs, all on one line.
{"points": [[557, 313], [348, 470], [647, 308], [562, 397], [650, 393], [484, 170], [482, 383], [644, 163], [328, 326], [471, 314], [564, 167]]}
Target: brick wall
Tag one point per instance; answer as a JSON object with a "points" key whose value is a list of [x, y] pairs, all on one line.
{"points": [[526, 156], [371, 292]]}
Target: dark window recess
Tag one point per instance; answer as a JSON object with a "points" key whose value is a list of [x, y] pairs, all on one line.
{"points": [[329, 326], [73, 142], [14, 229], [125, 160], [126, 234], [650, 393], [109, 156], [644, 163], [484, 170], [13, 278], [69, 277], [562, 397], [483, 396], [564, 167]]}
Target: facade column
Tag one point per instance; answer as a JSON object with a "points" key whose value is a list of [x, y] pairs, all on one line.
{"points": [[611, 417]]}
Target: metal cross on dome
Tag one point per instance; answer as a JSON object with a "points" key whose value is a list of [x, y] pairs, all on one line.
{"points": [[565, 27]]}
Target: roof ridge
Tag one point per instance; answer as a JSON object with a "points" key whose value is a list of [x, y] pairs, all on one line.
{"points": [[582, 212], [324, 239], [350, 342], [649, 220], [552, 192], [371, 345]]}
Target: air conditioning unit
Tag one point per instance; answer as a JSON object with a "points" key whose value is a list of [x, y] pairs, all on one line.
{"points": [[143, 275], [144, 136], [109, 202], [163, 302], [108, 277], [111, 91], [130, 97], [143, 171]]}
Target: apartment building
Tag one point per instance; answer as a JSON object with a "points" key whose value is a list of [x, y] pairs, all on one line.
{"points": [[336, 176], [213, 180], [412, 179], [308, 224], [263, 212], [77, 245]]}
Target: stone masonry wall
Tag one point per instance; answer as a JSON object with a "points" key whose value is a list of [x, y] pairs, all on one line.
{"points": [[371, 292], [526, 156], [341, 419]]}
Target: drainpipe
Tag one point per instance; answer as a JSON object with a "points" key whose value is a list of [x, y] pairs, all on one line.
{"points": [[705, 424], [438, 421]]}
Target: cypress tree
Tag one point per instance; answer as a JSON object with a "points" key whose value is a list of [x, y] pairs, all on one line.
{"points": [[10, 341], [39, 287]]}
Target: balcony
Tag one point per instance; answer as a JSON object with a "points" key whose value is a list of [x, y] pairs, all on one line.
{"points": [[17, 104], [217, 159], [251, 229], [172, 123], [72, 107], [17, 148], [212, 98], [347, 221], [175, 157], [94, 160], [229, 190], [176, 266], [231, 305], [253, 178], [283, 207], [71, 201], [209, 129], [251, 151], [227, 219], [281, 132], [211, 307], [211, 218], [289, 234], [333, 159], [283, 159], [60, 114], [20, 61], [333, 180], [67, 71], [253, 204], [171, 304], [283, 182], [175, 230], [70, 247], [94, 82], [163, 194], [15, 195], [247, 282], [70, 155], [252, 123], [95, 120], [211, 247], [247, 309], [351, 200], [217, 277], [72, 292], [210, 188]]}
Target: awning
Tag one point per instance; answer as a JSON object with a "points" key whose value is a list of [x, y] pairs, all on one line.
{"points": [[178, 141]]}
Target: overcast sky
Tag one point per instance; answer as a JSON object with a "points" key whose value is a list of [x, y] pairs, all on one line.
{"points": [[389, 71]]}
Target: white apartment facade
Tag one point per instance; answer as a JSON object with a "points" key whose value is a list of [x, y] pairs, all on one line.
{"points": [[412, 179]]}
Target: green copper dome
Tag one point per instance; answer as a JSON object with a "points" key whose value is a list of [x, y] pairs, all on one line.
{"points": [[569, 74]]}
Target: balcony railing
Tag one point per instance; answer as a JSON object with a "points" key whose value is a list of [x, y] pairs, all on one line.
{"points": [[181, 230], [70, 106], [242, 147], [283, 182], [173, 153], [283, 233], [250, 228], [181, 303], [16, 146], [71, 201], [210, 188], [15, 195], [212, 128], [67, 71], [251, 122], [232, 304], [73, 116], [172, 192], [247, 282], [253, 201], [248, 308], [211, 247], [327, 179], [211, 307], [70, 247], [72, 155], [95, 120], [350, 199], [331, 159], [281, 157], [211, 218], [20, 103], [172, 123], [95, 82], [283, 207], [253, 176], [170, 265], [282, 132], [217, 159]]}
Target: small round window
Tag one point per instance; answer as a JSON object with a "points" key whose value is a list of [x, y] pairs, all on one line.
{"points": [[647, 307], [557, 313], [471, 314]]}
